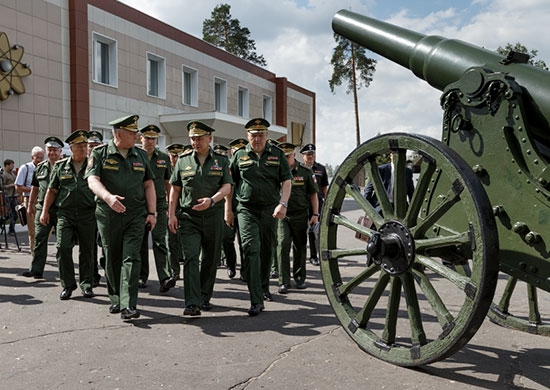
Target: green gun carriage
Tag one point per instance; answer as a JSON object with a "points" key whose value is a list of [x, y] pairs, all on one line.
{"points": [[427, 275]]}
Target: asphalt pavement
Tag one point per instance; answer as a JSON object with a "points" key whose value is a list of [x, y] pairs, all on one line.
{"points": [[296, 343]]}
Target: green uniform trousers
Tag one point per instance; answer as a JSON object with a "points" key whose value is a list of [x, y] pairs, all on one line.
{"points": [[292, 232], [160, 250], [200, 236], [257, 231], [175, 252], [71, 227], [121, 236], [41, 237]]}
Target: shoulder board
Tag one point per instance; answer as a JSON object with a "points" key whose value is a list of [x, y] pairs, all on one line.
{"points": [[61, 161], [186, 152], [45, 162], [219, 154]]}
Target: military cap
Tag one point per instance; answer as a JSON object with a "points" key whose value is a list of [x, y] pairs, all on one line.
{"points": [[53, 142], [77, 137], [198, 129], [256, 125], [287, 147], [126, 123], [308, 149], [238, 143], [273, 142], [150, 131], [221, 149], [95, 137], [174, 148]]}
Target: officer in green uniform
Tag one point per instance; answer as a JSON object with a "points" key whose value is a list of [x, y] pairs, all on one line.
{"points": [[229, 240], [292, 230], [69, 192], [95, 138], [119, 175], [200, 181], [39, 186], [231, 257], [160, 165], [175, 253], [262, 187]]}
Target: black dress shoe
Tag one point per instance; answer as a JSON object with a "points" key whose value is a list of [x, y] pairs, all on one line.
{"points": [[192, 310], [206, 306], [29, 274], [66, 293], [301, 285], [242, 279], [268, 296], [129, 313], [88, 293], [314, 261], [231, 272], [113, 309], [167, 284], [274, 275], [283, 289], [255, 309], [142, 284]]}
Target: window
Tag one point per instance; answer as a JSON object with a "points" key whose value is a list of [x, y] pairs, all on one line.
{"points": [[156, 76], [267, 108], [190, 86], [243, 102], [220, 95], [104, 62]]}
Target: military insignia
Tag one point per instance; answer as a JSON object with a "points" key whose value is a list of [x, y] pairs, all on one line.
{"points": [[216, 166], [90, 161], [188, 168], [272, 158], [111, 161], [245, 157]]}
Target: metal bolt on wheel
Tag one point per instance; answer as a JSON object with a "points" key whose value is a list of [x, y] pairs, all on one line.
{"points": [[410, 306]]}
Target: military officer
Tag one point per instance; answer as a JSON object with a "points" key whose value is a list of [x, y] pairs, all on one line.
{"points": [[120, 176], [175, 253], [308, 154], [200, 181], [160, 164], [292, 230], [95, 138], [74, 200], [262, 187], [39, 186]]}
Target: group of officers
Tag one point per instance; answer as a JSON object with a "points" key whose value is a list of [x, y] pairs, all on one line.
{"points": [[192, 200]]}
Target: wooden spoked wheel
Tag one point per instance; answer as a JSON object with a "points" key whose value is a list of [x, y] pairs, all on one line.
{"points": [[399, 296]]}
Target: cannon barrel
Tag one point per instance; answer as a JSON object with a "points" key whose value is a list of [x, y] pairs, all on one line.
{"points": [[440, 61]]}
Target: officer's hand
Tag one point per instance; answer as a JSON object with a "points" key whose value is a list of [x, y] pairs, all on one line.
{"points": [[152, 220], [229, 218], [115, 203], [279, 212], [44, 218], [173, 224], [204, 203], [313, 220]]}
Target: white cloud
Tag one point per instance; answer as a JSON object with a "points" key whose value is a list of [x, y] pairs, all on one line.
{"points": [[297, 42]]}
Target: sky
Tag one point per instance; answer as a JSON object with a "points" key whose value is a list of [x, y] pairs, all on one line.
{"points": [[296, 39]]}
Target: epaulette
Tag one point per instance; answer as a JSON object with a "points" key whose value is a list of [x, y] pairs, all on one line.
{"points": [[46, 161], [186, 152], [219, 153], [62, 160]]}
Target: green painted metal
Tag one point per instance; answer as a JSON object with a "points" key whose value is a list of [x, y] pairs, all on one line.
{"points": [[442, 308], [496, 113]]}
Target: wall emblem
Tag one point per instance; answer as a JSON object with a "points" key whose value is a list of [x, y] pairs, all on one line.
{"points": [[11, 69]]}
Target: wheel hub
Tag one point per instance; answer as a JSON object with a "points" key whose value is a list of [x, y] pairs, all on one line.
{"points": [[392, 248]]}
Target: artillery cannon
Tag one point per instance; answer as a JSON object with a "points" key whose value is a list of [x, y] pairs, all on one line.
{"points": [[480, 206]]}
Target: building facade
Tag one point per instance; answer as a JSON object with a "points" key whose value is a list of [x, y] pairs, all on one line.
{"points": [[92, 61]]}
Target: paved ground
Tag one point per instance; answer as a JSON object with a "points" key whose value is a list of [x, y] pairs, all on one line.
{"points": [[296, 343]]}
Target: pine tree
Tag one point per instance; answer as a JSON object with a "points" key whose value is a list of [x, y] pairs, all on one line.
{"points": [[224, 32]]}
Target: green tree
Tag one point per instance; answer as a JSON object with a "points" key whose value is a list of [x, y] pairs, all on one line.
{"points": [[224, 32], [351, 66], [518, 47]]}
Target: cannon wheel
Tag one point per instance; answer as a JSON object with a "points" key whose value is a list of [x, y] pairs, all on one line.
{"points": [[411, 253], [502, 315]]}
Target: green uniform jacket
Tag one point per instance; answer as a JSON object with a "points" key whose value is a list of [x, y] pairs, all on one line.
{"points": [[258, 180], [121, 176], [73, 195], [200, 182], [160, 165], [303, 185], [41, 179]]}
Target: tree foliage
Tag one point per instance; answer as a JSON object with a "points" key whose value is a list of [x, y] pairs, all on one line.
{"points": [[518, 47], [351, 66], [224, 32]]}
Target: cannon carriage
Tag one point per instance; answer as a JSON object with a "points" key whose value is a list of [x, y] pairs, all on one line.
{"points": [[427, 276]]}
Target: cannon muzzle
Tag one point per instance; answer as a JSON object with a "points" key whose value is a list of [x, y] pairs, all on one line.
{"points": [[440, 61]]}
